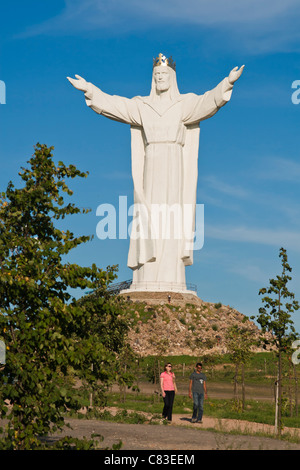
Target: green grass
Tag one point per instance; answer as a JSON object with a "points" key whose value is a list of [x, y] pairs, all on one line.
{"points": [[259, 412], [256, 411], [149, 403], [261, 369]]}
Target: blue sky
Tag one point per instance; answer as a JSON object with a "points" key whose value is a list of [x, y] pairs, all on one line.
{"points": [[249, 159]]}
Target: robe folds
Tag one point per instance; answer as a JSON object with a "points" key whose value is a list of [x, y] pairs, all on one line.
{"points": [[164, 150]]}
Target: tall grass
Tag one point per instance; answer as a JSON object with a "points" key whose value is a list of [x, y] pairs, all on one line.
{"points": [[256, 411]]}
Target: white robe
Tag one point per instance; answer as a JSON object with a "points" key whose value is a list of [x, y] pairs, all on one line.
{"points": [[164, 169]]}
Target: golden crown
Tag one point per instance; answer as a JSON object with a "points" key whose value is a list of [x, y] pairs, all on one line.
{"points": [[162, 60]]}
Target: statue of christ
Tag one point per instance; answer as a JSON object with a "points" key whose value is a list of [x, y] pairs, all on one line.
{"points": [[165, 129]]}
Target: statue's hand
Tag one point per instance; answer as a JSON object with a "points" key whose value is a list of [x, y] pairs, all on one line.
{"points": [[80, 83], [235, 74]]}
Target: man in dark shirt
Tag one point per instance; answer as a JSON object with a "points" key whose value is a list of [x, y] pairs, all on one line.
{"points": [[197, 391]]}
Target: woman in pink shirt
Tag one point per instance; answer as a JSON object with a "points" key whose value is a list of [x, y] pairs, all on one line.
{"points": [[168, 389]]}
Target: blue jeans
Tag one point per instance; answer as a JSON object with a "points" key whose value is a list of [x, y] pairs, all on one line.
{"points": [[198, 399]]}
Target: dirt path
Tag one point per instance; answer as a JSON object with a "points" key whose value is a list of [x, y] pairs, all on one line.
{"points": [[181, 435]]}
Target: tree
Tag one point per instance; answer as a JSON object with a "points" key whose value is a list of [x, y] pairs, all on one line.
{"points": [[126, 370], [48, 333], [239, 342], [275, 317]]}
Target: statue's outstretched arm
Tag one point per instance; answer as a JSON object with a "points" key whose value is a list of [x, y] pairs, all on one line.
{"points": [[200, 107], [114, 107]]}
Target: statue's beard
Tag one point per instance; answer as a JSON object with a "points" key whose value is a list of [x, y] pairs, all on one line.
{"points": [[162, 87]]}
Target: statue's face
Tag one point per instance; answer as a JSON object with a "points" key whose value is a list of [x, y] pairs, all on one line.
{"points": [[162, 78]]}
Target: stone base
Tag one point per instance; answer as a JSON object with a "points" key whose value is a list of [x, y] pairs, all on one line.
{"points": [[161, 297]]}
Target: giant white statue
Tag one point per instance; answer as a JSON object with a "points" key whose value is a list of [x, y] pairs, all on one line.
{"points": [[165, 128]]}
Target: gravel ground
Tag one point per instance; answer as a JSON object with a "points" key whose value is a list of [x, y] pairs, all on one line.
{"points": [[180, 435]]}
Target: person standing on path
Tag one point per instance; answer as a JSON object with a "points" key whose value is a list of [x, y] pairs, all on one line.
{"points": [[168, 389], [197, 391]]}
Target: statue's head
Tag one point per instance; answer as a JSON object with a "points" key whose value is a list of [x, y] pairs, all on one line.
{"points": [[164, 76], [162, 79]]}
